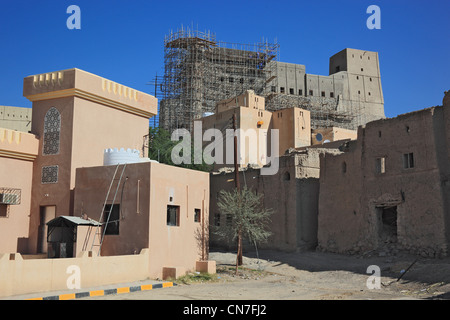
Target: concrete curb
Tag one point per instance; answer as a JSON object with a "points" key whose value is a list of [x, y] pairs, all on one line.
{"points": [[103, 292]]}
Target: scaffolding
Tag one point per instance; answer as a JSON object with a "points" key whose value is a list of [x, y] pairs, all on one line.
{"points": [[199, 71]]}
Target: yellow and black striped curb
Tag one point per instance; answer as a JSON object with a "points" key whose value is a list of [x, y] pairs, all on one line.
{"points": [[104, 292]]}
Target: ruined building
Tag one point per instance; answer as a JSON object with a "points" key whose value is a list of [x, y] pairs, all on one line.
{"points": [[390, 188], [292, 194], [200, 71], [291, 188]]}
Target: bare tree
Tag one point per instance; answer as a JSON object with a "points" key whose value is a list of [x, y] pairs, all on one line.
{"points": [[247, 218]]}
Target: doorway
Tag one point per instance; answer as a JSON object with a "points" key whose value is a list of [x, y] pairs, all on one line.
{"points": [[46, 213], [388, 225]]}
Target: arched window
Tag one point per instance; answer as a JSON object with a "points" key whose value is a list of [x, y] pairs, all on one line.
{"points": [[286, 176], [52, 128]]}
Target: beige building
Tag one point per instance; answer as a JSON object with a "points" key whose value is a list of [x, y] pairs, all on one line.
{"points": [[389, 189], [15, 118], [55, 177], [255, 125], [159, 207], [351, 95], [77, 115], [18, 150]]}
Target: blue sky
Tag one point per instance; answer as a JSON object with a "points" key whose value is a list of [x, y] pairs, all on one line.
{"points": [[123, 40]]}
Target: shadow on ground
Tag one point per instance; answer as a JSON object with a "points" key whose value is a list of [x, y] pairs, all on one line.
{"points": [[408, 269]]}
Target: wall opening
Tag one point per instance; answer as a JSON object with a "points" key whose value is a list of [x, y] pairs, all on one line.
{"points": [[4, 210], [388, 228], [197, 215], [113, 211], [46, 213], [173, 216]]}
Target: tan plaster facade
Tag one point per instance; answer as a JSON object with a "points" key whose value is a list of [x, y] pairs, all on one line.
{"points": [[59, 171], [89, 107], [18, 150], [149, 189]]}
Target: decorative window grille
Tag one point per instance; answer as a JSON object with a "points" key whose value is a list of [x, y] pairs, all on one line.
{"points": [[52, 129], [10, 196], [49, 174]]}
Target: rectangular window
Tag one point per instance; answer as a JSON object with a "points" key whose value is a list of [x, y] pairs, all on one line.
{"points": [[229, 220], [197, 215], [274, 89], [112, 224], [380, 165], [4, 209], [310, 92], [300, 92], [408, 160], [331, 94], [217, 219], [323, 93], [173, 216], [282, 89], [291, 91]]}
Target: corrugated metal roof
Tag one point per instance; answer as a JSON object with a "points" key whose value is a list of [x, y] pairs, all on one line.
{"points": [[73, 220]]}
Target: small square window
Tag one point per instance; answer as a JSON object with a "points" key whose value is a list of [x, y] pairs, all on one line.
{"points": [[197, 215], [323, 93], [300, 92], [173, 215], [282, 89]]}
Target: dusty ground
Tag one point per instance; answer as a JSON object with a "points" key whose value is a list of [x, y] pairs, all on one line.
{"points": [[312, 276]]}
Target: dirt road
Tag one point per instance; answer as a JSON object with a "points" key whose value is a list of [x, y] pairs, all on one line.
{"points": [[313, 276]]}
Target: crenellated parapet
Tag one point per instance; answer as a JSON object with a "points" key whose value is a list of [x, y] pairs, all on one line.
{"points": [[85, 85], [18, 145]]}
